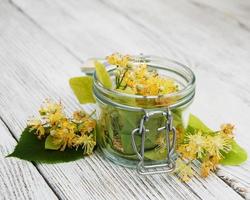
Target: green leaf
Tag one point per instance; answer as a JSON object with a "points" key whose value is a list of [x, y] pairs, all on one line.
{"points": [[127, 144], [32, 149], [130, 120], [103, 75], [236, 156], [154, 154], [50, 145], [196, 123], [82, 88]]}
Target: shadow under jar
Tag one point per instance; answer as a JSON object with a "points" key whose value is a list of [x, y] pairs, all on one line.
{"points": [[143, 131]]}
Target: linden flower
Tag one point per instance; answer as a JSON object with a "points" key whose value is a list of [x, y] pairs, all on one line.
{"points": [[179, 134], [87, 126], [197, 142], [124, 62], [65, 132], [118, 59], [63, 137], [209, 165], [87, 143], [52, 112], [195, 146], [66, 124], [183, 170], [217, 144], [154, 85], [167, 86], [130, 80], [50, 107], [141, 71], [187, 152], [215, 160], [139, 78], [79, 116], [54, 118], [37, 125], [112, 59], [227, 129], [206, 167]]}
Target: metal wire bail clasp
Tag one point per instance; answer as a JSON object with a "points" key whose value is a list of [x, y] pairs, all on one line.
{"points": [[168, 165]]}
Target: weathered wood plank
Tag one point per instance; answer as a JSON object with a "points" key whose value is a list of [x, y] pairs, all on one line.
{"points": [[26, 82], [29, 82], [45, 74], [19, 179], [212, 36]]}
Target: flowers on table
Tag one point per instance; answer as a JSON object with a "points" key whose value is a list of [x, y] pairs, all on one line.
{"points": [[60, 131], [183, 170], [206, 147]]}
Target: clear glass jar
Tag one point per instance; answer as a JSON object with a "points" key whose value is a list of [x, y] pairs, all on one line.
{"points": [[136, 130]]}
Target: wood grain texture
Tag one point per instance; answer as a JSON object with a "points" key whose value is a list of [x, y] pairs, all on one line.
{"points": [[19, 179], [46, 74], [203, 34], [43, 43]]}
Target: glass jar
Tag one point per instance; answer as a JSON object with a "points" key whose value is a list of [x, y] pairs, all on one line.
{"points": [[141, 131]]}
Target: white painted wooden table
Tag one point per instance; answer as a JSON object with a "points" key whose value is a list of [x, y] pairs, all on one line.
{"points": [[43, 43]]}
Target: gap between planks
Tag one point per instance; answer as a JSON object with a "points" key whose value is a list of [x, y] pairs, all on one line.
{"points": [[19, 179]]}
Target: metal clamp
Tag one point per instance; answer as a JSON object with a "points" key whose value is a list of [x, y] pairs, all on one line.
{"points": [[169, 165]]}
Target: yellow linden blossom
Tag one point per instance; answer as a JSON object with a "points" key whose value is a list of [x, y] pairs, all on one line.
{"points": [[180, 134], [187, 152], [68, 125], [67, 135], [50, 107], [195, 146], [52, 112], [197, 142], [54, 118], [118, 59], [209, 165], [88, 126], [206, 167], [37, 125], [149, 83], [183, 170], [63, 137], [87, 143], [217, 144], [227, 129], [79, 116], [139, 78], [65, 132], [207, 148]]}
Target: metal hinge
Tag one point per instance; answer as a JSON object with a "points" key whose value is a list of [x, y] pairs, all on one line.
{"points": [[169, 164]]}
